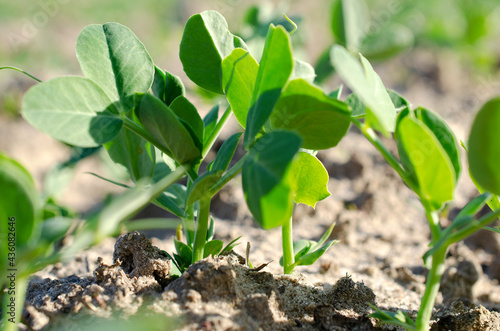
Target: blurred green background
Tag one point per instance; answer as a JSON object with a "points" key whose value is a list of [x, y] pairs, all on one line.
{"points": [[39, 36]]}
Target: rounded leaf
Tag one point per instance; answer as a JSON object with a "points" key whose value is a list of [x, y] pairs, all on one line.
{"points": [[321, 121], [266, 178], [239, 72], [484, 147], [73, 110], [310, 179], [426, 160], [206, 41], [113, 57], [19, 202]]}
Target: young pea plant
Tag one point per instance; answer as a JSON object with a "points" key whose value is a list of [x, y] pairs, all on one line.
{"points": [[141, 115], [32, 230], [428, 164]]}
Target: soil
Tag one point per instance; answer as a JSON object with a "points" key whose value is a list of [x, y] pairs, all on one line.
{"points": [[380, 224]]}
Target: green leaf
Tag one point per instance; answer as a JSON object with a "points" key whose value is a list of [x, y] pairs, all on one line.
{"points": [[210, 122], [73, 110], [210, 230], [275, 69], [231, 245], [426, 160], [301, 247], [184, 252], [472, 208], [349, 19], [187, 112], [19, 200], [303, 70], [206, 41], [213, 247], [239, 73], [167, 86], [54, 229], [367, 85], [397, 318], [225, 153], [312, 257], [444, 134], [266, 180], [310, 179], [173, 88], [336, 94], [324, 238], [133, 152], [165, 127], [321, 121], [484, 147], [398, 100], [168, 203], [358, 109], [201, 186], [114, 58]]}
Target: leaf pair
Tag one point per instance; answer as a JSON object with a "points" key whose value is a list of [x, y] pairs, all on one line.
{"points": [[86, 112], [428, 151], [274, 176], [256, 95], [206, 41]]}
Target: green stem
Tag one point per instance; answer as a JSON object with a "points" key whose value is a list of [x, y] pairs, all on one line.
{"points": [[372, 137], [230, 174], [287, 243], [473, 227], [21, 71], [201, 230], [433, 219], [21, 284], [431, 290], [218, 128]]}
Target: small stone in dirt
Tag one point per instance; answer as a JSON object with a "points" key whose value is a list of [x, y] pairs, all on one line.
{"points": [[140, 258], [458, 281], [462, 318], [346, 294]]}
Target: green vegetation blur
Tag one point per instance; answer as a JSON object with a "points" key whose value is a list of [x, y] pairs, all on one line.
{"points": [[39, 36]]}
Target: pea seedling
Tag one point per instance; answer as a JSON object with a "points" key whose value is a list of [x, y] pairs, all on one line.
{"points": [[142, 117], [428, 164]]}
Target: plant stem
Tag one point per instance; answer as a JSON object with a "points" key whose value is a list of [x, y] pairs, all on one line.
{"points": [[372, 137], [21, 285], [21, 71], [287, 243], [201, 230], [433, 218], [230, 174], [435, 273], [218, 128], [431, 290]]}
